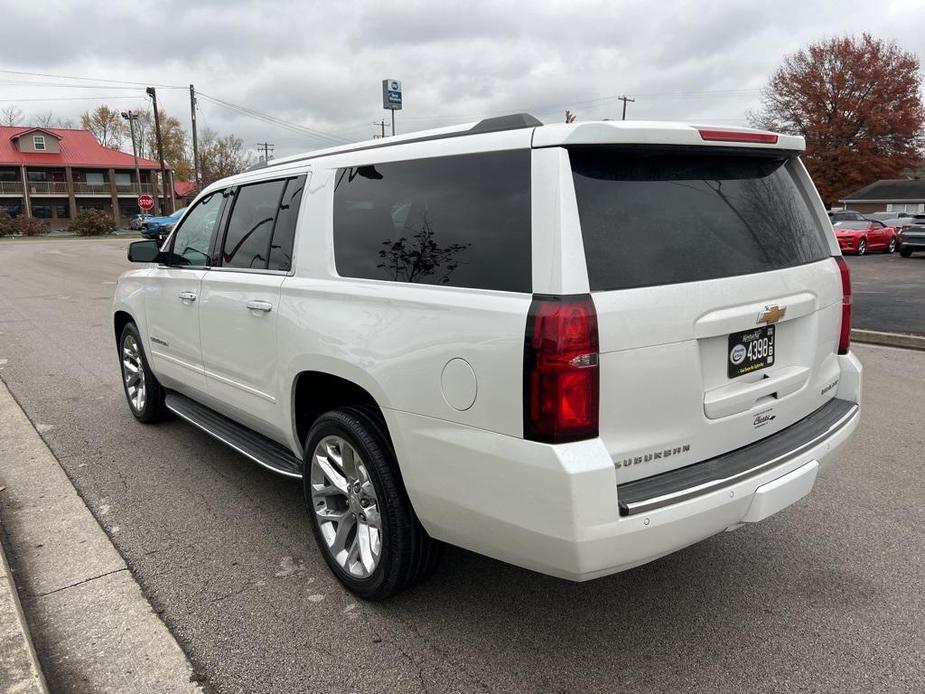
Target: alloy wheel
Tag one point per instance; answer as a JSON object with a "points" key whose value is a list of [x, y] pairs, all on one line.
{"points": [[133, 373], [345, 504], [862, 247]]}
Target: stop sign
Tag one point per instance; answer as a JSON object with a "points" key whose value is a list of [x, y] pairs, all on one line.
{"points": [[146, 202]]}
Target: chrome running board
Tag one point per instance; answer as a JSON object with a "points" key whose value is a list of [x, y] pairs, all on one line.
{"points": [[257, 447]]}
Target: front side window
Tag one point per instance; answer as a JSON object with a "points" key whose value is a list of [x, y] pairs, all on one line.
{"points": [[250, 229], [194, 235], [38, 143], [461, 221]]}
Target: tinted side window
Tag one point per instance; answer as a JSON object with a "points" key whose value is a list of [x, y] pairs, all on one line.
{"points": [[284, 233], [653, 217], [463, 221], [194, 235], [250, 228]]}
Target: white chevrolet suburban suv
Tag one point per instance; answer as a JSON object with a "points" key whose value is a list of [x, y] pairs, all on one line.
{"points": [[573, 347]]}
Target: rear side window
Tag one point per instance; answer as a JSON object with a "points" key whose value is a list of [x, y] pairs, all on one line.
{"points": [[250, 228], [462, 221], [284, 233], [663, 217]]}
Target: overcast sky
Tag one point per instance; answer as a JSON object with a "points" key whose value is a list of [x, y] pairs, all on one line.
{"points": [[320, 65]]}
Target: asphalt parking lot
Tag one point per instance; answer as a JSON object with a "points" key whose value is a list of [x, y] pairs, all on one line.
{"points": [[889, 292], [825, 597]]}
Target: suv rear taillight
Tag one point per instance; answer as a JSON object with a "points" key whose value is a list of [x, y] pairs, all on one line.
{"points": [[844, 339], [561, 377]]}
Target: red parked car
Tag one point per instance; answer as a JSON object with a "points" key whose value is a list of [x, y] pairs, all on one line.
{"points": [[869, 235]]}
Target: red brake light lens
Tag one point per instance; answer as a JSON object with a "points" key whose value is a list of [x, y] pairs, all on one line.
{"points": [[561, 373], [736, 136], [844, 339]]}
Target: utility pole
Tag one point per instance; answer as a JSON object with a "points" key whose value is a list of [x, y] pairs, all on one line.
{"points": [[131, 116], [381, 124], [152, 92], [267, 148], [192, 110], [624, 99]]}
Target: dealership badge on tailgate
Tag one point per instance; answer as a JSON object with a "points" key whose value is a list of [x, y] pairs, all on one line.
{"points": [[750, 350]]}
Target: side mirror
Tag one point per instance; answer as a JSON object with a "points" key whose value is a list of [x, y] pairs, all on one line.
{"points": [[147, 251]]}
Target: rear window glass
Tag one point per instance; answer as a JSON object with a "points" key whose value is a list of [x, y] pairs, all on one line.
{"points": [[462, 221], [651, 217]]}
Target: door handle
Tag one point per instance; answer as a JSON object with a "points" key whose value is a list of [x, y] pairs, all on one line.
{"points": [[187, 296], [264, 306]]}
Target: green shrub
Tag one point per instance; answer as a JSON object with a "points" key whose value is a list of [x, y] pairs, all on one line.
{"points": [[6, 223], [92, 223], [28, 226]]}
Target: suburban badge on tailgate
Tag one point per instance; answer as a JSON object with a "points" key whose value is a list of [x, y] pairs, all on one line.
{"points": [[772, 314]]}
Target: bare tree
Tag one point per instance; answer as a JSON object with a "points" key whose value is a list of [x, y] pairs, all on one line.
{"points": [[10, 115], [48, 119]]}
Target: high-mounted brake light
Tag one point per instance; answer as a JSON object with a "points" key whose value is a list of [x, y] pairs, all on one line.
{"points": [[737, 136], [561, 372], [844, 338]]}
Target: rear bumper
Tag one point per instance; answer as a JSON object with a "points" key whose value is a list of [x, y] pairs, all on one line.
{"points": [[556, 509]]}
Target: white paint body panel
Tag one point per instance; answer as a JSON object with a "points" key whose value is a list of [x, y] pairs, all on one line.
{"points": [[471, 477]]}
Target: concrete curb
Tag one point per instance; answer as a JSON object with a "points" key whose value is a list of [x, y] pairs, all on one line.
{"points": [[92, 626], [19, 666], [876, 337]]}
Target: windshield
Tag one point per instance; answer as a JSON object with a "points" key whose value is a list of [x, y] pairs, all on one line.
{"points": [[850, 225], [178, 213]]}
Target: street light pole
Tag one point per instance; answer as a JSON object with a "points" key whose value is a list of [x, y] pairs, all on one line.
{"points": [[130, 116], [152, 92]]}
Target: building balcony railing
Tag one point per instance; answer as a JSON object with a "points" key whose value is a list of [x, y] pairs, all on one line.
{"points": [[46, 188], [10, 188], [80, 188]]}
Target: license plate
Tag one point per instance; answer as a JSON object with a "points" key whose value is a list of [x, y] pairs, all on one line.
{"points": [[750, 350]]}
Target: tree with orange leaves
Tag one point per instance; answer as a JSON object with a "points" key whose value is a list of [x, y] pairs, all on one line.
{"points": [[857, 103]]}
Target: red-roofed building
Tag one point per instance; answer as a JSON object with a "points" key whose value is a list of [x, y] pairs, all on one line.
{"points": [[53, 173], [184, 191]]}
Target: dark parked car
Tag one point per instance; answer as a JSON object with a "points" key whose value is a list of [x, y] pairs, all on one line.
{"points": [[887, 217], [912, 240], [159, 227], [845, 216], [136, 222]]}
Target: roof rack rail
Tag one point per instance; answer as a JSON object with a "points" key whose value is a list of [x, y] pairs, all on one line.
{"points": [[516, 121]]}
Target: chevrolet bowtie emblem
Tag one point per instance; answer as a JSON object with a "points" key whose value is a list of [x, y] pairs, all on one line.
{"points": [[771, 314]]}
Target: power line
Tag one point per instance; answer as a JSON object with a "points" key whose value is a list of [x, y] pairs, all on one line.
{"points": [[318, 134], [90, 79], [71, 98]]}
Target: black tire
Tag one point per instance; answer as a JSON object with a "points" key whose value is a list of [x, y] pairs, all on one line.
{"points": [[892, 247], [862, 247], [905, 252], [152, 408], [408, 554]]}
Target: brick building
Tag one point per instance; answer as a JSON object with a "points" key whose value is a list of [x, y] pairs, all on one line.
{"points": [[888, 195], [52, 173]]}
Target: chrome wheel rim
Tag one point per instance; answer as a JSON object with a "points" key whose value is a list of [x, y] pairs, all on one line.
{"points": [[346, 507], [133, 373], [892, 245], [862, 246]]}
